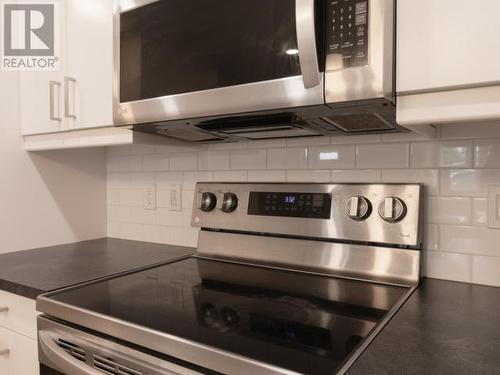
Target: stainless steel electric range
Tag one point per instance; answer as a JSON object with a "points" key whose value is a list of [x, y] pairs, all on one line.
{"points": [[287, 279]]}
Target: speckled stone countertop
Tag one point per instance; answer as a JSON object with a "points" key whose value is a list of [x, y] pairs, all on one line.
{"points": [[443, 328], [33, 272]]}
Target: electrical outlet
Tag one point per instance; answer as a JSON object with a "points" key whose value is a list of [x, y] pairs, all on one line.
{"points": [[150, 197], [175, 197]]}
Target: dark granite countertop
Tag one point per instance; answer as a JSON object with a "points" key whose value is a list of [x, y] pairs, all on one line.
{"points": [[443, 328], [30, 273]]}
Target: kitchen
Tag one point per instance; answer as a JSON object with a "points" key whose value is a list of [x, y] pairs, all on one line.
{"points": [[225, 187]]}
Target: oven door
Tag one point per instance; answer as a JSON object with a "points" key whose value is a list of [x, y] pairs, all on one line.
{"points": [[177, 59]]}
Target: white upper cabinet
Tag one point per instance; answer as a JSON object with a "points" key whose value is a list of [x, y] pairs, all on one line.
{"points": [[448, 61], [90, 63], [445, 44], [42, 92], [78, 95]]}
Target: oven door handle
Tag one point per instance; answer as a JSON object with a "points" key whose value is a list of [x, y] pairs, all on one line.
{"points": [[62, 360], [306, 42]]}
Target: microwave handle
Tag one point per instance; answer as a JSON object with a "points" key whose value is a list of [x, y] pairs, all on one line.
{"points": [[306, 42]]}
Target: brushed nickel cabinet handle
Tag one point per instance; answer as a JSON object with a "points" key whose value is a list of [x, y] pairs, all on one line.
{"points": [[54, 86], [67, 82]]}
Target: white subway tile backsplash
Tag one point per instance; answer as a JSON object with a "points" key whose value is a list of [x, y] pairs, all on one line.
{"points": [[487, 153], [470, 240], [384, 155], [267, 176], [185, 161], [130, 163], [456, 267], [332, 157], [139, 215], [134, 232], [113, 164], [184, 236], [187, 199], [307, 141], [449, 210], [287, 158], [356, 175], [157, 234], [165, 179], [480, 211], [468, 182], [249, 159], [428, 177], [356, 139], [113, 229], [169, 218], [231, 176], [308, 176], [213, 161], [131, 197], [268, 143], [431, 237], [456, 169], [486, 270], [155, 163], [454, 154], [119, 214], [191, 178], [113, 196]]}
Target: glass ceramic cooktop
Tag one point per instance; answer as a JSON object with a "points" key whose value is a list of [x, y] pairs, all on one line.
{"points": [[304, 323]]}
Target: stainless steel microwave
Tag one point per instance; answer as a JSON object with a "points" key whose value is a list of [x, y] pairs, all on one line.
{"points": [[229, 70]]}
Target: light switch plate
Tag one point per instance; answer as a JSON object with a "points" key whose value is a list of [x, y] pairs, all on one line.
{"points": [[175, 193], [494, 206], [150, 197]]}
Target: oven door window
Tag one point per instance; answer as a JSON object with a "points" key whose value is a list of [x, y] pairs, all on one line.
{"points": [[171, 47]]}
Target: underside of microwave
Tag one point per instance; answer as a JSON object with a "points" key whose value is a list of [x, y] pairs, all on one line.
{"points": [[371, 116]]}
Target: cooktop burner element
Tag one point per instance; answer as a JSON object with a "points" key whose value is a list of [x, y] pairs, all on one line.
{"points": [[287, 279]]}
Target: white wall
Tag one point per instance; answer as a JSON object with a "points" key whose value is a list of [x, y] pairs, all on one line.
{"points": [[47, 198], [456, 169]]}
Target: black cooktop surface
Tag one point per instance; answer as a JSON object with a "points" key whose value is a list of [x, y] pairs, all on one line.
{"points": [[305, 323]]}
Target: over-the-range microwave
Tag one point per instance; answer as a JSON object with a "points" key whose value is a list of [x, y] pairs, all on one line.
{"points": [[228, 70]]}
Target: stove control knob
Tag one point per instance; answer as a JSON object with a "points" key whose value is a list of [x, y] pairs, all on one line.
{"points": [[229, 202], [208, 202], [392, 209], [358, 208]]}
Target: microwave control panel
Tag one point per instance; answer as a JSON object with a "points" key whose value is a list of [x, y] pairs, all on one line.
{"points": [[347, 33]]}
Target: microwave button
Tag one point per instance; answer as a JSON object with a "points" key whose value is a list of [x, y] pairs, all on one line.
{"points": [[361, 7], [361, 19]]}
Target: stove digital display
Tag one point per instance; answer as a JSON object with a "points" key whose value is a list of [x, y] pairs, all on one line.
{"points": [[306, 205]]}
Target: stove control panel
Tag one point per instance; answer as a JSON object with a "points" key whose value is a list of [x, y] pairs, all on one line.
{"points": [[380, 213]]}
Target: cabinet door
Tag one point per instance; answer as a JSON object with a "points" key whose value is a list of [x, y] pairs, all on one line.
{"points": [[18, 354], [41, 90], [90, 63], [447, 44]]}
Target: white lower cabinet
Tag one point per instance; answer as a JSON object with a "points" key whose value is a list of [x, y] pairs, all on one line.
{"points": [[18, 335], [18, 354]]}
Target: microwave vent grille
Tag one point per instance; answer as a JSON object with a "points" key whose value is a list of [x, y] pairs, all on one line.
{"points": [[358, 122]]}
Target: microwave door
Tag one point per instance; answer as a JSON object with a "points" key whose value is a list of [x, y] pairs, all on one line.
{"points": [[179, 59]]}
